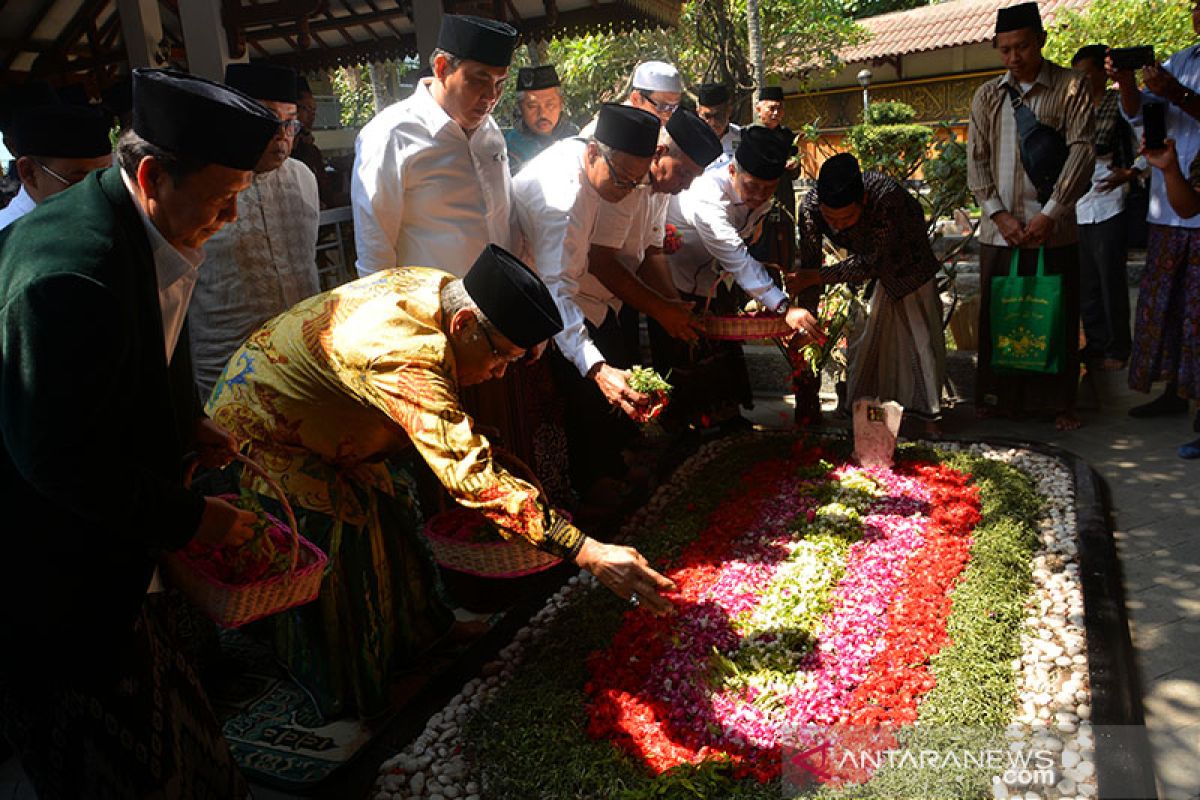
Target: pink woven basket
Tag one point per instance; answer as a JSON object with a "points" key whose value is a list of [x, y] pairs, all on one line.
{"points": [[496, 558], [740, 327], [743, 327], [234, 605]]}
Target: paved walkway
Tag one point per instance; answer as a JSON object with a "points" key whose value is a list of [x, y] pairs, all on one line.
{"points": [[1157, 521]]}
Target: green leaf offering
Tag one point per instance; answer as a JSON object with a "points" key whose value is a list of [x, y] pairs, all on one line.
{"points": [[647, 381]]}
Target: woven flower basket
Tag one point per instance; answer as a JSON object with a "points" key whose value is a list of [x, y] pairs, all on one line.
{"points": [[740, 327], [501, 558], [234, 605]]}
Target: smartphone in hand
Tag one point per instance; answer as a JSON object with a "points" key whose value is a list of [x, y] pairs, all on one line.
{"points": [[1154, 125], [1131, 58]]}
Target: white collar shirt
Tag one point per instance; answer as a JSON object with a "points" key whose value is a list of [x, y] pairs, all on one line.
{"points": [[643, 217], [716, 228], [557, 210], [1097, 206], [258, 266], [729, 144], [424, 193], [1185, 66], [18, 207], [175, 271]]}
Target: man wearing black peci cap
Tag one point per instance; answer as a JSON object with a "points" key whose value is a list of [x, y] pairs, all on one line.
{"points": [[305, 150], [13, 101], [539, 121], [778, 243], [1025, 213], [97, 409], [717, 220], [431, 183], [56, 147], [264, 262], [635, 276], [374, 369], [559, 197], [714, 105], [901, 354]]}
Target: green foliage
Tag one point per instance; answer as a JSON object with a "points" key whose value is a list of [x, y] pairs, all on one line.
{"points": [[709, 44], [890, 112], [897, 150], [352, 85], [946, 176], [1166, 24]]}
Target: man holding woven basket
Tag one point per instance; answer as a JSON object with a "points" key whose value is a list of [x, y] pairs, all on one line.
{"points": [[371, 372], [97, 409]]}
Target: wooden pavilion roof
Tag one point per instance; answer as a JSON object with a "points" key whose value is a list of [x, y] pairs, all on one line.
{"points": [[80, 41]]}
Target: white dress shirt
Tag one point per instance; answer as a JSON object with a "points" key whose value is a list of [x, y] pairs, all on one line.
{"points": [[1185, 66], [716, 227], [729, 144], [1097, 206], [557, 210], [643, 217], [176, 272], [426, 194], [18, 207], [257, 267]]}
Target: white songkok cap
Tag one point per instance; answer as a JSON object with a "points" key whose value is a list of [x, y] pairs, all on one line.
{"points": [[657, 76]]}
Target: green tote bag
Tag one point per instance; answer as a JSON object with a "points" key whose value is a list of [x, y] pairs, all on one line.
{"points": [[1026, 316]]}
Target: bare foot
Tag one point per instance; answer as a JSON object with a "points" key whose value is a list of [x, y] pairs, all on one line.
{"points": [[1067, 421]]}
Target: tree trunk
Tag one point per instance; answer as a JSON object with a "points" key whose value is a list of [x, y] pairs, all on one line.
{"points": [[754, 37], [379, 91]]}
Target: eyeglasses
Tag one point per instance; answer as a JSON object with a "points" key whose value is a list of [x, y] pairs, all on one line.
{"points": [[55, 175], [620, 183], [665, 108], [506, 358], [291, 127]]}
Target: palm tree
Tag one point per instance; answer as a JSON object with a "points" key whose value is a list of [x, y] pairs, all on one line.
{"points": [[754, 35]]}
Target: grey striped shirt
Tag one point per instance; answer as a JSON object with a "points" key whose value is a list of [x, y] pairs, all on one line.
{"points": [[1061, 100]]}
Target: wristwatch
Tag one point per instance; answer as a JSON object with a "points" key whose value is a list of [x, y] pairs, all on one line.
{"points": [[783, 306]]}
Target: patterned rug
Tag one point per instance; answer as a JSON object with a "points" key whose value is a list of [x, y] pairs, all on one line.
{"points": [[272, 725]]}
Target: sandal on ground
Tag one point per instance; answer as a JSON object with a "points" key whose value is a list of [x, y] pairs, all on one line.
{"points": [[1190, 451]]}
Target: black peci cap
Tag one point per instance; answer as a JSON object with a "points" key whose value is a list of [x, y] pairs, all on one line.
{"points": [[532, 78], [840, 182], [1090, 52], [263, 81], [628, 129], [712, 94], [302, 86], [1013, 18], [770, 93], [61, 132], [477, 39], [512, 297], [694, 136], [762, 152], [200, 119], [31, 94]]}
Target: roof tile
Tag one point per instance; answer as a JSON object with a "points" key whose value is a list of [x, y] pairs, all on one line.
{"points": [[950, 24]]}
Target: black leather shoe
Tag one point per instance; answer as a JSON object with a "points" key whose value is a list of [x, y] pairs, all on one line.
{"points": [[1162, 406]]}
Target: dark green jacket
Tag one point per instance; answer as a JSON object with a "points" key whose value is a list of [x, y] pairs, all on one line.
{"points": [[93, 427]]}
